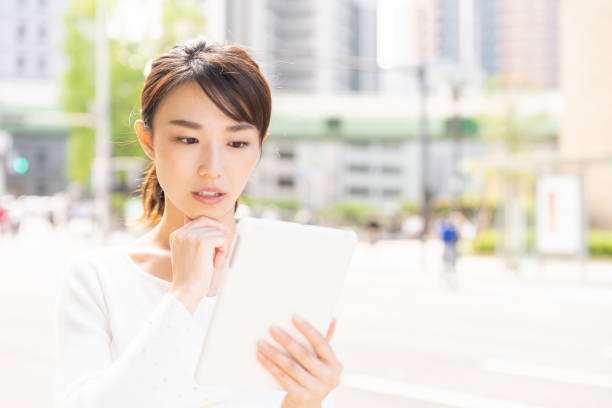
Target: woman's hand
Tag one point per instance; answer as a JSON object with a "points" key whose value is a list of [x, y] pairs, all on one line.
{"points": [[197, 248], [307, 377]]}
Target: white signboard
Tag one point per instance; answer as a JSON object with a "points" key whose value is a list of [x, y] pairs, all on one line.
{"points": [[559, 215]]}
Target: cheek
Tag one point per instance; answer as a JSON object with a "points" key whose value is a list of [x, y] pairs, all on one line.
{"points": [[239, 171], [170, 169]]}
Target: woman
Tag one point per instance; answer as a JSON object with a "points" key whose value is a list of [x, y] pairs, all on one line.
{"points": [[132, 319]]}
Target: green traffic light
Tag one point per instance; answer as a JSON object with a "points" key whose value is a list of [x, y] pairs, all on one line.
{"points": [[20, 165]]}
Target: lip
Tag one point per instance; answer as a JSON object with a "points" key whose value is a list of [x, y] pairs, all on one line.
{"points": [[211, 189], [209, 200]]}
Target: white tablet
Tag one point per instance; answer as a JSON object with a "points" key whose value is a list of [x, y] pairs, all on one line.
{"points": [[275, 269]]}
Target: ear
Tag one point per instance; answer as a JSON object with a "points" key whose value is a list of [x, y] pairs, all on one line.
{"points": [[265, 136], [145, 139]]}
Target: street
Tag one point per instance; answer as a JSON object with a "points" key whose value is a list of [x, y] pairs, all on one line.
{"points": [[540, 338]]}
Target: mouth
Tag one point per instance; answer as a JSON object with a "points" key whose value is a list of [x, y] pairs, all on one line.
{"points": [[209, 197]]}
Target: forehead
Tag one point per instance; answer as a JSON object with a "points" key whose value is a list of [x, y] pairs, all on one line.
{"points": [[188, 101]]}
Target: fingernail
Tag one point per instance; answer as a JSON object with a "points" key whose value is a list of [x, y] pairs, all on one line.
{"points": [[277, 330], [298, 318]]}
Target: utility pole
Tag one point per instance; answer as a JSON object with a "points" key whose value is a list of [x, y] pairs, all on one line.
{"points": [[5, 143], [101, 165], [456, 137], [424, 142]]}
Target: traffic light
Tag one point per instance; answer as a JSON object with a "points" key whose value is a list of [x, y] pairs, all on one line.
{"points": [[20, 165]]}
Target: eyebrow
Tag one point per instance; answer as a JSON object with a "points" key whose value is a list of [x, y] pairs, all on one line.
{"points": [[194, 125]]}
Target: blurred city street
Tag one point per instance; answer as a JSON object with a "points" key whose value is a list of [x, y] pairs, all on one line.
{"points": [[533, 339]]}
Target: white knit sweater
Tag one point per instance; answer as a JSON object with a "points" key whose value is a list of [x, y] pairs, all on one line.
{"points": [[123, 340]]}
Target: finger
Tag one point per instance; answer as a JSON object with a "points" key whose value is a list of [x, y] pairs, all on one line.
{"points": [[202, 221], [319, 343], [331, 330], [216, 239], [304, 356], [287, 365], [283, 379]]}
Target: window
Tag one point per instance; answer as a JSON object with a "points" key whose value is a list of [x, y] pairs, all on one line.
{"points": [[285, 181], [41, 157], [391, 170], [392, 145], [359, 144], [358, 168], [41, 188], [41, 64], [21, 31], [359, 191], [286, 155], [20, 62], [390, 192]]}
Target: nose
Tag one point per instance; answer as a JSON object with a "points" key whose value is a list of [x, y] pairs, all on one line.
{"points": [[210, 162]]}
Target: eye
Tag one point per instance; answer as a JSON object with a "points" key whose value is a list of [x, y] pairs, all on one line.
{"points": [[192, 139], [243, 144]]}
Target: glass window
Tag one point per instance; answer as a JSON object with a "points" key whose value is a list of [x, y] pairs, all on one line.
{"points": [[286, 155], [390, 192], [21, 31], [42, 64], [359, 191], [391, 170], [285, 181], [358, 168], [20, 62]]}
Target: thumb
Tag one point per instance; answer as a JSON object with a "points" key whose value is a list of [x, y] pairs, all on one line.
{"points": [[331, 329]]}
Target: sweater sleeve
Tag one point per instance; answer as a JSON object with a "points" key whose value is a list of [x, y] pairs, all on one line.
{"points": [[155, 370]]}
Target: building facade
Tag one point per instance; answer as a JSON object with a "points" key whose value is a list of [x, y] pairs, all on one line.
{"points": [[31, 64], [309, 46]]}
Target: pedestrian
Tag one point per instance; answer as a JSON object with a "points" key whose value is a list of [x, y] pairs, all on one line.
{"points": [[132, 318], [373, 229], [449, 234]]}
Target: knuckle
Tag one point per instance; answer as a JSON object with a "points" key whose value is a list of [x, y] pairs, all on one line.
{"points": [[292, 366], [335, 381]]}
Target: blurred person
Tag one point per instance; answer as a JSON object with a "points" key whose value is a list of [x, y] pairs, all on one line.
{"points": [[449, 234], [395, 226], [413, 226], [5, 220], [373, 229], [132, 318]]}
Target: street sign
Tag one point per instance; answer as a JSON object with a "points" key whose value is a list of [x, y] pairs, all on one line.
{"points": [[559, 215]]}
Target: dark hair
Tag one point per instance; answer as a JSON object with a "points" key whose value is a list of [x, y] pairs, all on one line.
{"points": [[228, 76]]}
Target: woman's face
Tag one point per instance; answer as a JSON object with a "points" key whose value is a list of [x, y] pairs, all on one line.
{"points": [[197, 147]]}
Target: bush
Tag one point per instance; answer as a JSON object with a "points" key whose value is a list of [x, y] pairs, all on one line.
{"points": [[487, 241], [352, 212], [600, 243]]}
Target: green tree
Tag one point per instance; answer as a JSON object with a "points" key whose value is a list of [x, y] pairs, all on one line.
{"points": [[179, 20]]}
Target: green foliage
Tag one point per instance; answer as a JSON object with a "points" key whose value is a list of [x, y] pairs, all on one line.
{"points": [[290, 205], [181, 20], [600, 243], [487, 241], [352, 212], [409, 208], [517, 132]]}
